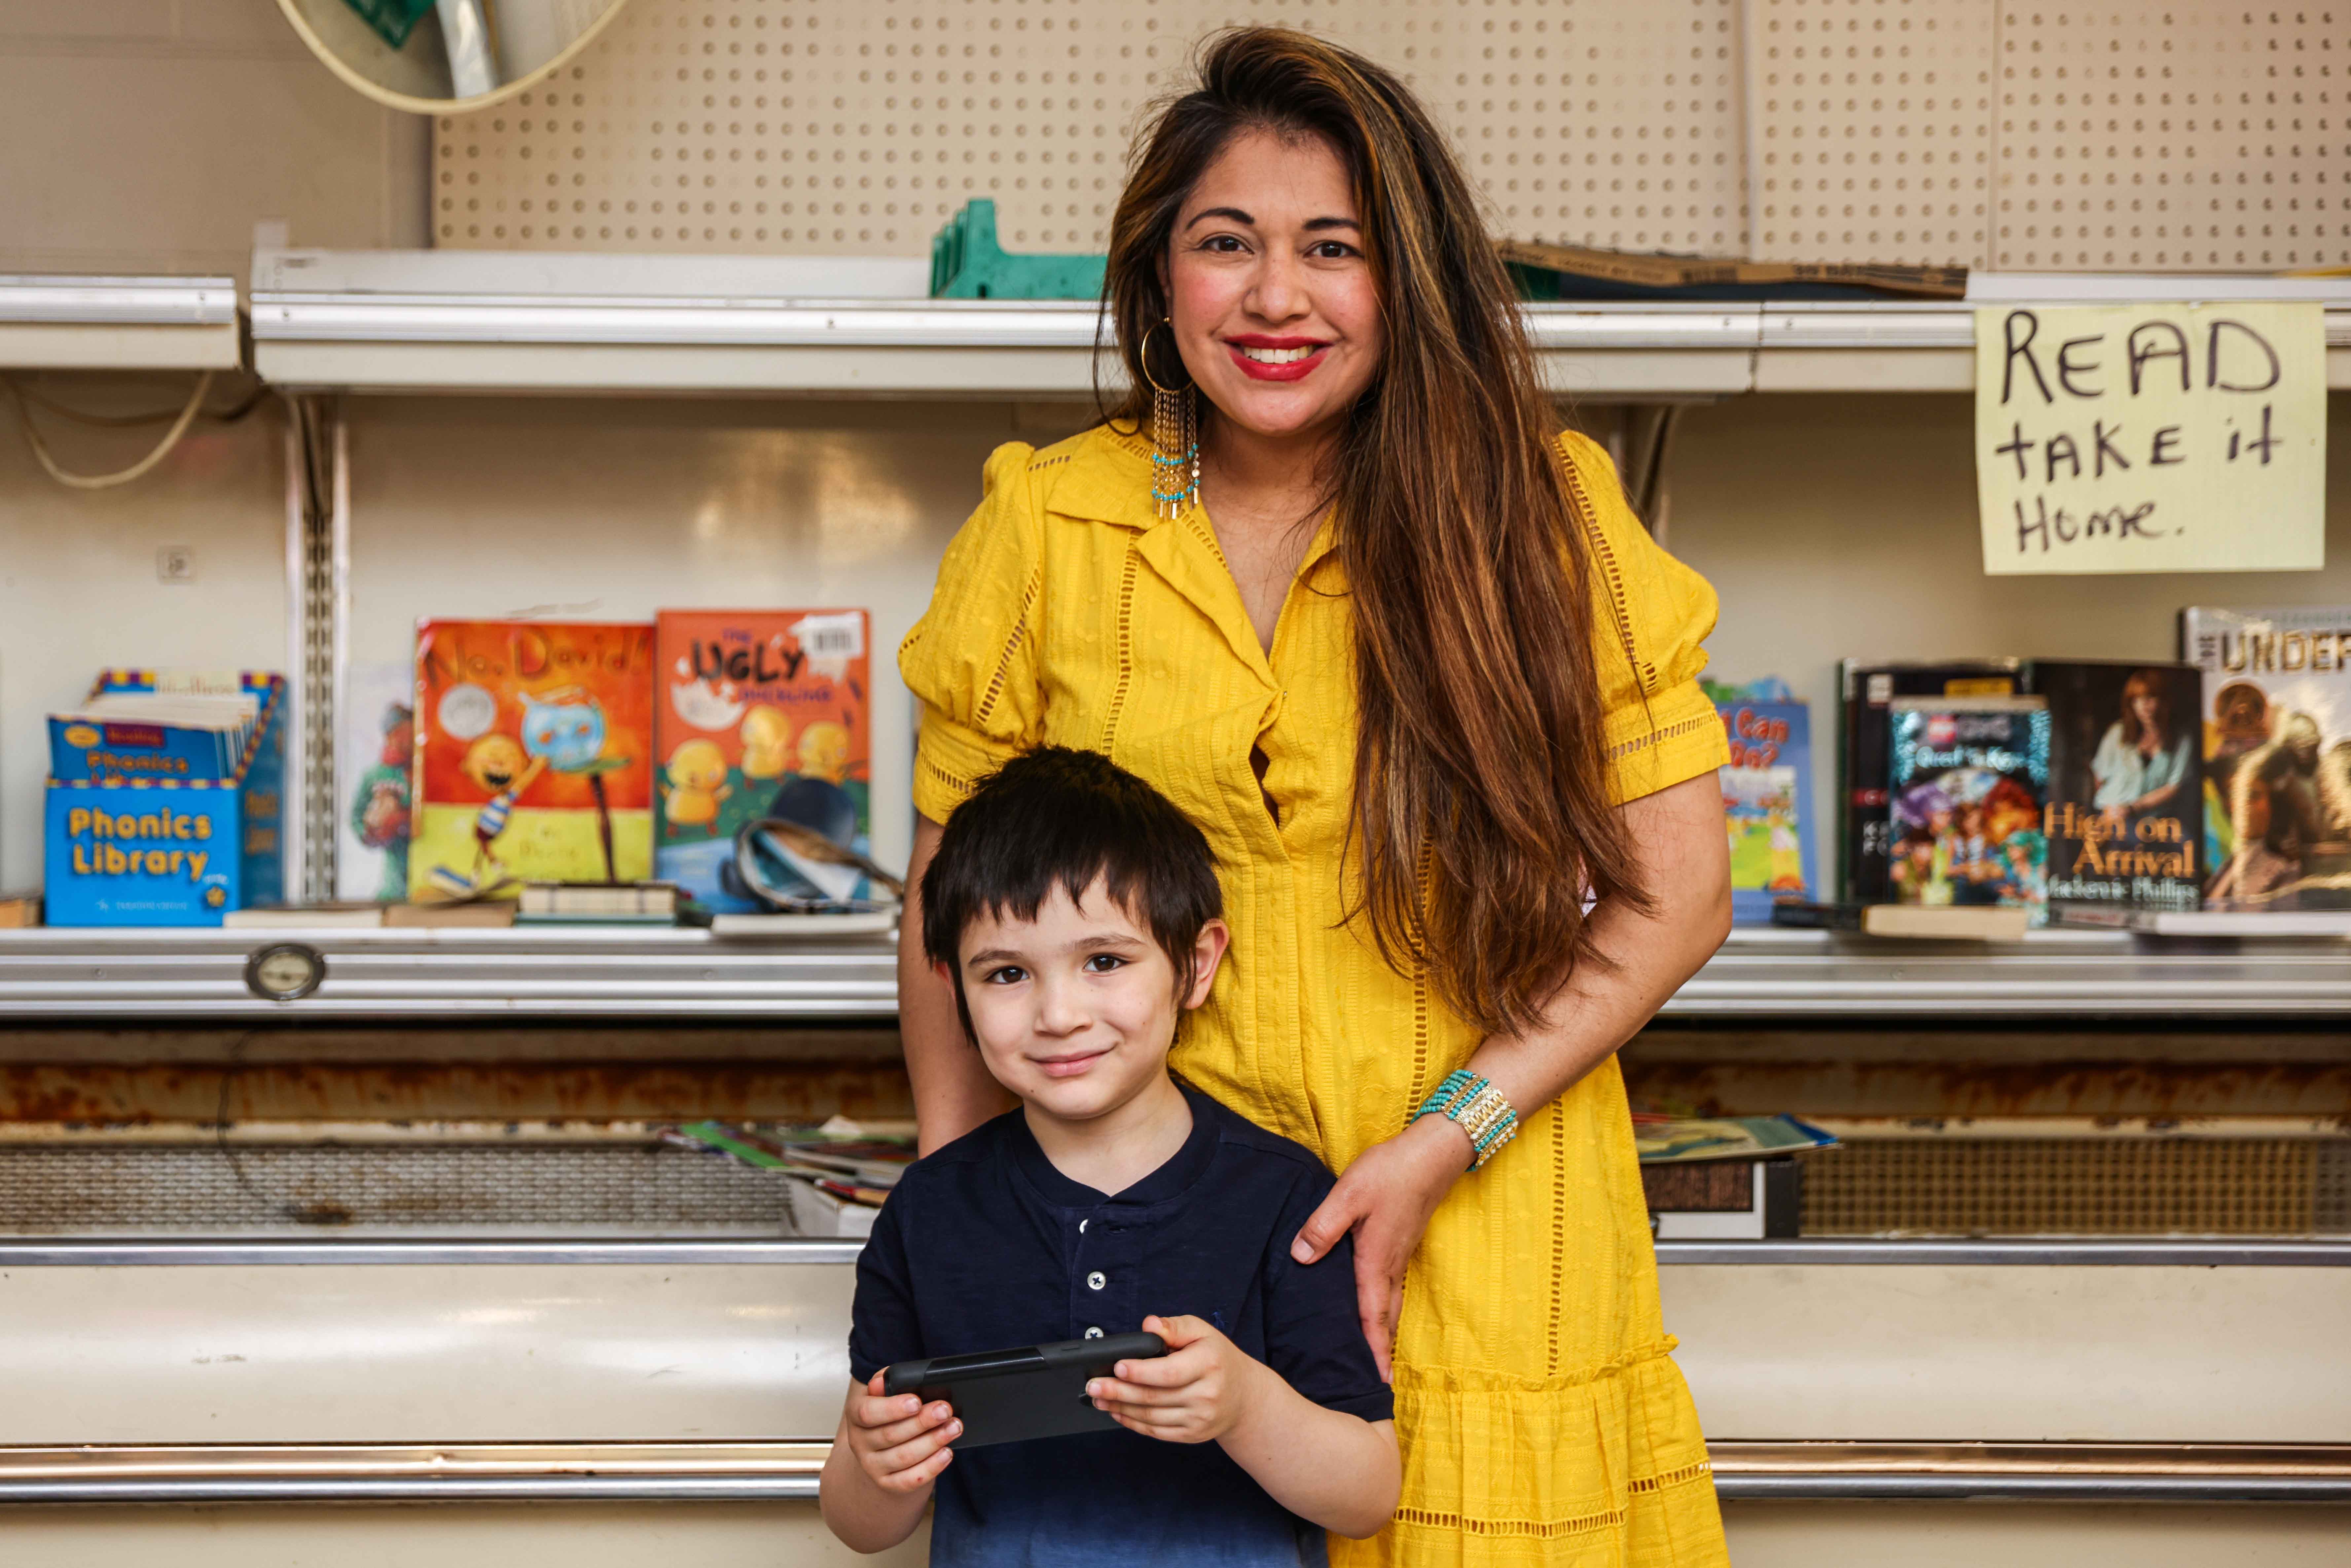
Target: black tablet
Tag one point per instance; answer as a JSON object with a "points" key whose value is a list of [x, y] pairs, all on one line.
{"points": [[1036, 1391]]}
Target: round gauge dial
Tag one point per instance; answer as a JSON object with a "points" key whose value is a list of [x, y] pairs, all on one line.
{"points": [[285, 972]]}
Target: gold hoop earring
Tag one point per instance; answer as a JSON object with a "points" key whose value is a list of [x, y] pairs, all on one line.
{"points": [[1175, 437]]}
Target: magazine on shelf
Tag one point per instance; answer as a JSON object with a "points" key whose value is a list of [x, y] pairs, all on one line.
{"points": [[1669, 1140], [2276, 713]]}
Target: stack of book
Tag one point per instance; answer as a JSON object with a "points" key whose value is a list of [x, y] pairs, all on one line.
{"points": [[836, 1176], [1724, 1179]]}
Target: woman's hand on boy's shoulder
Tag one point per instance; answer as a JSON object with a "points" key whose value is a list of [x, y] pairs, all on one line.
{"points": [[1197, 1393], [901, 1443]]}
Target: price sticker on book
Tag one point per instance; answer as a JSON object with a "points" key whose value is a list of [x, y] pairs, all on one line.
{"points": [[2152, 437]]}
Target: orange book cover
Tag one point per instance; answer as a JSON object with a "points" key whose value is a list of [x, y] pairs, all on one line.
{"points": [[761, 715], [534, 754]]}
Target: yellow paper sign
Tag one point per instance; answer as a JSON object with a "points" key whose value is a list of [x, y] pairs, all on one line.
{"points": [[2152, 437]]}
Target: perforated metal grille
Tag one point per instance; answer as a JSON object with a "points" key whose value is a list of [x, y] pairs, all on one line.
{"points": [[2331, 1189], [833, 127], [438, 1190], [2088, 1187]]}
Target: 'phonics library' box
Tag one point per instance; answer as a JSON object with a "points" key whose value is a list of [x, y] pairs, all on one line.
{"points": [[139, 836]]}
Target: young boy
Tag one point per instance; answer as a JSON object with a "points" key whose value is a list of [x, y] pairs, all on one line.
{"points": [[1077, 913]]}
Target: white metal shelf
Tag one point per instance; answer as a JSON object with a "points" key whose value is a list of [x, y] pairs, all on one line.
{"points": [[427, 322], [119, 323], [617, 973]]}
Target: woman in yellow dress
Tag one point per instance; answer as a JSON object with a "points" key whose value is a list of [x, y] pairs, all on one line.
{"points": [[1341, 589]]}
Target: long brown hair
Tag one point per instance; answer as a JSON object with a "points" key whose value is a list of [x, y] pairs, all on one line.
{"points": [[2145, 683], [1481, 813]]}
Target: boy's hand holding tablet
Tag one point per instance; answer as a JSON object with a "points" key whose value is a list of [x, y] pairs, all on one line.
{"points": [[900, 1443], [1077, 915]]}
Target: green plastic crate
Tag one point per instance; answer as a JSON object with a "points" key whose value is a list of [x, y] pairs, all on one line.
{"points": [[968, 264]]}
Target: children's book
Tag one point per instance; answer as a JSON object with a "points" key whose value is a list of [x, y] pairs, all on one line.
{"points": [[2126, 815], [761, 715], [1968, 782], [1866, 749], [166, 797], [375, 763], [1767, 797], [533, 755], [2276, 714]]}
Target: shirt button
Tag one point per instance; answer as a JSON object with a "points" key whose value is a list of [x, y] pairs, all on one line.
{"points": [[1094, 1282], [1093, 1333], [1082, 1226]]}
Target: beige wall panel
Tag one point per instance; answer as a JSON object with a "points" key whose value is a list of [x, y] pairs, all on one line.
{"points": [[1870, 129], [79, 590], [150, 135], [604, 1535], [1842, 525], [2179, 139], [848, 126], [615, 508], [1925, 1352], [2034, 1535], [422, 1353]]}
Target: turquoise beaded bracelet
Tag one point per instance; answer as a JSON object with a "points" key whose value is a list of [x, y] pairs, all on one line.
{"points": [[1477, 1108]]}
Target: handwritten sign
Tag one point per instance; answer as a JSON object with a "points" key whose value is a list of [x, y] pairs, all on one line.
{"points": [[2152, 437]]}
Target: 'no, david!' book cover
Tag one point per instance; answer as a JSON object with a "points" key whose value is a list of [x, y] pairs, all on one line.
{"points": [[762, 716], [534, 754]]}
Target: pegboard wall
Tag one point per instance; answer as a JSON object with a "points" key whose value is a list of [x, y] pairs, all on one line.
{"points": [[1948, 131], [2218, 141], [855, 127], [1871, 130]]}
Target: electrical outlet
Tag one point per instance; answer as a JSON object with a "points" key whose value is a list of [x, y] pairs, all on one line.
{"points": [[175, 563]]}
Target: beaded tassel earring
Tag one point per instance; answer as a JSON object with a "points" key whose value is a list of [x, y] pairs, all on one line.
{"points": [[1175, 440]]}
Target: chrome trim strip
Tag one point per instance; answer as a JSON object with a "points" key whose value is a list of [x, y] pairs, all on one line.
{"points": [[420, 1489], [67, 301], [295, 316], [231, 1252], [540, 972], [769, 1471], [2159, 1253], [240, 1254], [2033, 1488]]}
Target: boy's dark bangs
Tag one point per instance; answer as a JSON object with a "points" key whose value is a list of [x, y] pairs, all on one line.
{"points": [[1061, 819]]}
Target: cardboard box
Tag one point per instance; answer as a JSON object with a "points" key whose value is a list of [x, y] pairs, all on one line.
{"points": [[171, 850]]}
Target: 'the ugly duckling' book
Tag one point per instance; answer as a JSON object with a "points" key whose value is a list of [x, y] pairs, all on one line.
{"points": [[534, 758], [762, 716]]}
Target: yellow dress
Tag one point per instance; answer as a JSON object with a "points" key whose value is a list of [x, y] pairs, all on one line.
{"points": [[1541, 1417]]}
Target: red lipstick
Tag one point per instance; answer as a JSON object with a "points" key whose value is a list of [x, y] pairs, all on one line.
{"points": [[1290, 370]]}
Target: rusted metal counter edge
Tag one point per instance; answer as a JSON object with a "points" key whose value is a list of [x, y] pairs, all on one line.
{"points": [[217, 1252], [787, 1471]]}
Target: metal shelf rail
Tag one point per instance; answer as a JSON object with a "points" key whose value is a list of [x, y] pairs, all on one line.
{"points": [[591, 1472], [119, 323], [373, 321], [619, 972]]}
